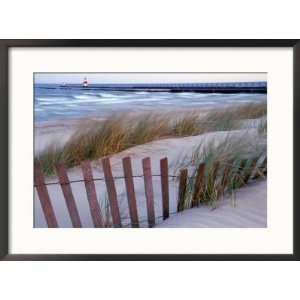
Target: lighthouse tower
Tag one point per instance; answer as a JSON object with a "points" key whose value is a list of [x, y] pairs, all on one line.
{"points": [[85, 82]]}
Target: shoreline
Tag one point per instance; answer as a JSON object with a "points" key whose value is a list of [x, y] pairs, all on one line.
{"points": [[57, 132], [97, 117]]}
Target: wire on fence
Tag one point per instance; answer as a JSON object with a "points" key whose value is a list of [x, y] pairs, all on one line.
{"points": [[123, 177], [147, 175]]}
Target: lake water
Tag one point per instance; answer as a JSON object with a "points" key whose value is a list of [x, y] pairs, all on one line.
{"points": [[55, 103]]}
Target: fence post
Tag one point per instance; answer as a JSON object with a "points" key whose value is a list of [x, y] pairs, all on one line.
{"points": [[265, 165], [130, 191], [43, 194], [260, 169], [91, 194], [149, 190], [250, 171], [198, 185], [182, 189], [164, 174], [68, 195], [237, 178], [112, 193]]}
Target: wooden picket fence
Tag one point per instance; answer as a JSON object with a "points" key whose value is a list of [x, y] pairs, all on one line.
{"points": [[94, 207]]}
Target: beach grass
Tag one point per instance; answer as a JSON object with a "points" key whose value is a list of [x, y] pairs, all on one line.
{"points": [[229, 164], [96, 139]]}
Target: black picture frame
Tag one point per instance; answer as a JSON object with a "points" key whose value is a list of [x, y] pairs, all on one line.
{"points": [[5, 45]]}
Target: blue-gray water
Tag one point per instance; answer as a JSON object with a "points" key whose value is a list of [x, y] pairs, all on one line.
{"points": [[56, 103]]}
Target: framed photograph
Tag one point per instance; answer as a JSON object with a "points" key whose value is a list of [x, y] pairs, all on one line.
{"points": [[149, 149]]}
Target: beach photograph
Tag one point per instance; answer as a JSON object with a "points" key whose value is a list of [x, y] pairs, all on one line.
{"points": [[150, 150]]}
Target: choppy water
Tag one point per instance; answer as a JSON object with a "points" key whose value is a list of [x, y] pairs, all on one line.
{"points": [[55, 103]]}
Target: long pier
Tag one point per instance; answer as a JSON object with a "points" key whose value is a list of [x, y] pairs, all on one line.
{"points": [[210, 87]]}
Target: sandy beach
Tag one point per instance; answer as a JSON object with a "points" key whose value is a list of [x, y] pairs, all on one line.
{"points": [[75, 122], [173, 148], [247, 210]]}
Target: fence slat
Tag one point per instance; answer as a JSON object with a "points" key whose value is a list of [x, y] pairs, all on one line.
{"points": [[198, 185], [130, 192], [250, 170], [182, 189], [91, 194], [43, 194], [238, 178], [149, 190], [112, 193], [265, 165], [68, 195], [165, 186], [260, 169]]}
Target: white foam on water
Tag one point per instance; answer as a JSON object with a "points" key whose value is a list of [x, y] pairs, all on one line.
{"points": [[88, 101], [141, 93], [154, 99], [216, 94], [79, 103], [118, 101], [93, 94], [244, 100], [85, 96], [65, 112], [187, 94], [53, 103], [106, 95], [45, 98], [207, 102], [52, 100], [72, 105]]}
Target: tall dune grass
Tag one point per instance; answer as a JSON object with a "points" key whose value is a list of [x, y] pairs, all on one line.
{"points": [[122, 131], [238, 159]]}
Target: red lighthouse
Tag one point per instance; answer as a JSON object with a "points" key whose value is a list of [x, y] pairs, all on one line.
{"points": [[85, 82]]}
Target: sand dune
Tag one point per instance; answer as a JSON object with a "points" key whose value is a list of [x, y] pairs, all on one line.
{"points": [[250, 212], [249, 209]]}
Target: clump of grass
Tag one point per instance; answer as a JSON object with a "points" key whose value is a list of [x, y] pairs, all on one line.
{"points": [[188, 124], [97, 139], [228, 118], [262, 127], [229, 164], [251, 110], [149, 127], [219, 121], [52, 155]]}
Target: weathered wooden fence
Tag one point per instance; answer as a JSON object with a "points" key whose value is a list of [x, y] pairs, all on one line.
{"points": [[94, 207]]}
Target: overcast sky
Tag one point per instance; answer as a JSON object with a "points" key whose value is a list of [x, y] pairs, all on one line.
{"points": [[147, 77]]}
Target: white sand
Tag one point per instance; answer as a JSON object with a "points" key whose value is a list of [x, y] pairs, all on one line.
{"points": [[55, 134], [173, 148], [249, 209]]}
